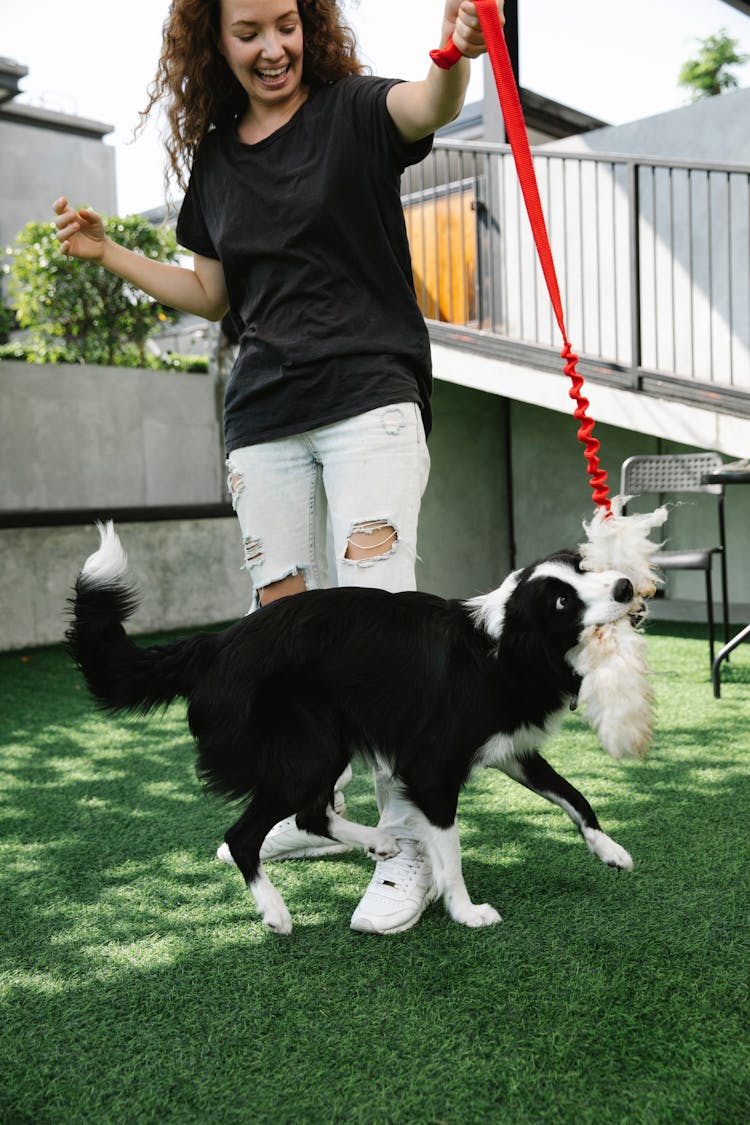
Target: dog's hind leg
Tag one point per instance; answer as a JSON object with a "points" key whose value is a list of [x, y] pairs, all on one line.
{"points": [[244, 839], [537, 774], [324, 821]]}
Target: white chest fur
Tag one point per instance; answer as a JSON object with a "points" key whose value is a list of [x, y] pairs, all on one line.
{"points": [[501, 749]]}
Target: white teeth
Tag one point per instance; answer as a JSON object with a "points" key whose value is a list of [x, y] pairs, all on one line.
{"points": [[273, 73]]}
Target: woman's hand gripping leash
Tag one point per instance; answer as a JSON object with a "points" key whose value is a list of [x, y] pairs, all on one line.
{"points": [[462, 33]]}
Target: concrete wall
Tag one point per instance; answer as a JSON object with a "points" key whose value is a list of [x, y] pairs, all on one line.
{"points": [[188, 574], [551, 485], [463, 534], [98, 438], [101, 438], [88, 437], [76, 437], [551, 491]]}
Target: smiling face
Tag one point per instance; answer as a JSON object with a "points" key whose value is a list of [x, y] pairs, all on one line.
{"points": [[262, 42]]}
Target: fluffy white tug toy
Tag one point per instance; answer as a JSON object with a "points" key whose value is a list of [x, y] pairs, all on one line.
{"points": [[611, 659]]}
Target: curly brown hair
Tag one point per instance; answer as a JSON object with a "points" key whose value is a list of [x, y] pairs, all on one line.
{"points": [[198, 89]]}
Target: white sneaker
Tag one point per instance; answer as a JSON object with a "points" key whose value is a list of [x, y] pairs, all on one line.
{"points": [[287, 841], [399, 893]]}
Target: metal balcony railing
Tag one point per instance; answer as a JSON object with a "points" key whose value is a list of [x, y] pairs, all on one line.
{"points": [[652, 258]]}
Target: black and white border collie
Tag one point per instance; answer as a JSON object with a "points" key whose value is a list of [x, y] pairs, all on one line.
{"points": [[279, 703]]}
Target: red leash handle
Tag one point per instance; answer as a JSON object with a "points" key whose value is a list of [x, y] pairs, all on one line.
{"points": [[510, 104], [447, 57]]}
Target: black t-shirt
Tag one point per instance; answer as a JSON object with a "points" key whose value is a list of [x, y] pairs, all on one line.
{"points": [[309, 229]]}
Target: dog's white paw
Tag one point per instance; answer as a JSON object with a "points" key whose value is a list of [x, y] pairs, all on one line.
{"points": [[278, 920], [273, 909], [607, 850], [383, 846], [477, 914]]}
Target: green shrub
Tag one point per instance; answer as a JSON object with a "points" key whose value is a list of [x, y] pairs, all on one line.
{"points": [[170, 361], [189, 364], [78, 312], [14, 351]]}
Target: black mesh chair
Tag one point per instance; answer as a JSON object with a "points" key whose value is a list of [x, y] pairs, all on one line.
{"points": [[674, 474]]}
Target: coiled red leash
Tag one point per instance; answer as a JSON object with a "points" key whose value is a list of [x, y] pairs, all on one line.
{"points": [[510, 104]]}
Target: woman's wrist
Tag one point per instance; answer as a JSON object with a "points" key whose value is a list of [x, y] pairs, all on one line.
{"points": [[110, 249], [449, 26]]}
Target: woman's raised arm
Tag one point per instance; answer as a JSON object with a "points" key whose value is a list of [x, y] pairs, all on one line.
{"points": [[419, 108]]}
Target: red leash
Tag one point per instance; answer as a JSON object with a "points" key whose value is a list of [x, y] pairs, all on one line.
{"points": [[519, 143]]}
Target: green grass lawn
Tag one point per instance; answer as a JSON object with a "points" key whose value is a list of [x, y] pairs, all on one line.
{"points": [[139, 986]]}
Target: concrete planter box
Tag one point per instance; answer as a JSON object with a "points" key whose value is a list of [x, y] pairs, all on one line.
{"points": [[100, 438], [79, 437]]}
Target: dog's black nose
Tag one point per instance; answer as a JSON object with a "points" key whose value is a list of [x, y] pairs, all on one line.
{"points": [[623, 591]]}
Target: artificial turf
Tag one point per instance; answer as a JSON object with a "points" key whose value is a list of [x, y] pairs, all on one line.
{"points": [[138, 985]]}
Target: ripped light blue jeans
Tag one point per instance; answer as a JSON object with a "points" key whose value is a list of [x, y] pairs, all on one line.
{"points": [[299, 499], [295, 495]]}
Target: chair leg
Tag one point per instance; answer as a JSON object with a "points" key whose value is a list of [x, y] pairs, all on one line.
{"points": [[725, 596], [724, 583], [743, 635], [710, 614]]}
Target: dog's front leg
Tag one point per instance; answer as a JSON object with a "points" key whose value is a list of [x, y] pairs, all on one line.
{"points": [[444, 849], [377, 844], [537, 774], [327, 822]]}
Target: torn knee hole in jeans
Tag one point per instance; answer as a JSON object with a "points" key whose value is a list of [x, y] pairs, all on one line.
{"points": [[235, 483], [377, 539]]}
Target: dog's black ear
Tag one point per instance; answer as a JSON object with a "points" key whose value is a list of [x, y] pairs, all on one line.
{"points": [[569, 556], [566, 556]]}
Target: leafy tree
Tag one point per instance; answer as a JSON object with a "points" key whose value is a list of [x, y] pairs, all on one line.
{"points": [[708, 74], [78, 312]]}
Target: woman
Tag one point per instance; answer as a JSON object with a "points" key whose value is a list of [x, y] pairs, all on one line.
{"points": [[291, 161]]}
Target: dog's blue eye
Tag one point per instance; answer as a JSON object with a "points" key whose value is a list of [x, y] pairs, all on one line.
{"points": [[561, 602]]}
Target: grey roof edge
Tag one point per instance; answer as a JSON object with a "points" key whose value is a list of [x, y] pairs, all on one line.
{"points": [[38, 118]]}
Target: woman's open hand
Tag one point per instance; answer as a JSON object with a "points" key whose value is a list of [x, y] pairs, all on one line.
{"points": [[80, 233]]}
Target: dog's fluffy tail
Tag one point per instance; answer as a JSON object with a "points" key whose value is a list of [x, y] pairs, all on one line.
{"points": [[121, 675]]}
